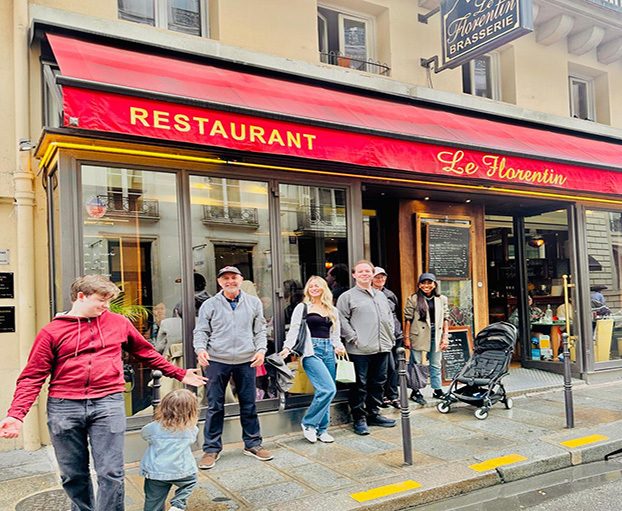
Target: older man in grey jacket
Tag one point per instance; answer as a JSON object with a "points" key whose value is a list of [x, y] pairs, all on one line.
{"points": [[368, 329], [230, 342]]}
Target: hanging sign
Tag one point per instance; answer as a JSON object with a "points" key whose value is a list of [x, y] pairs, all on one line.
{"points": [[470, 28]]}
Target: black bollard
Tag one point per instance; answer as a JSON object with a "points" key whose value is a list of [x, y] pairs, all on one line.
{"points": [[567, 383], [404, 407], [156, 375]]}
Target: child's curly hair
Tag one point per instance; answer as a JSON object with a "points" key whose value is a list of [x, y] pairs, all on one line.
{"points": [[178, 410]]}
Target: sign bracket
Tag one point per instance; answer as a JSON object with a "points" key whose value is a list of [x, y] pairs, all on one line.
{"points": [[423, 18], [432, 63]]}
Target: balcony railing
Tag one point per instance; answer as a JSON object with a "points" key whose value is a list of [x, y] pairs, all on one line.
{"points": [[337, 59], [322, 219], [130, 205], [231, 215]]}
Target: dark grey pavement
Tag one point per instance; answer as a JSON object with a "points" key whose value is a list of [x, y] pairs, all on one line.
{"points": [[453, 454]]}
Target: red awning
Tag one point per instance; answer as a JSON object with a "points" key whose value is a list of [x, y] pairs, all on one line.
{"points": [[265, 96]]}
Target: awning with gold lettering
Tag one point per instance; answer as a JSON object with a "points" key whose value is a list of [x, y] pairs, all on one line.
{"points": [[110, 89]]}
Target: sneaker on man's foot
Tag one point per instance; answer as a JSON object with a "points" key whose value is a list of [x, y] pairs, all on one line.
{"points": [[360, 427], [438, 394], [309, 433], [326, 438], [418, 398], [259, 452], [379, 420], [208, 460], [175, 508], [396, 404], [385, 403]]}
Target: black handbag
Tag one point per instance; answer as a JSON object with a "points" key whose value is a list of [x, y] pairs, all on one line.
{"points": [[299, 348]]}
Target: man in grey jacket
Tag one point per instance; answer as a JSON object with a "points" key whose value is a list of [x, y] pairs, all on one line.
{"points": [[368, 329], [230, 342]]}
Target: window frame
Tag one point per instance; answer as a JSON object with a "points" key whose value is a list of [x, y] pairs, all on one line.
{"points": [[590, 99], [495, 73], [160, 17], [342, 14]]}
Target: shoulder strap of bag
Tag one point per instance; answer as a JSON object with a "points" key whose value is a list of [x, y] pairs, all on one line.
{"points": [[304, 311]]}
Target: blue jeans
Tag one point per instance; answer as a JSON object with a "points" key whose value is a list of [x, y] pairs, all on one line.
{"points": [[434, 360], [244, 379], [320, 369], [156, 492], [73, 424]]}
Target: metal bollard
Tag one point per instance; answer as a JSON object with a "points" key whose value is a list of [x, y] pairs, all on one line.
{"points": [[156, 375], [567, 383], [404, 407]]}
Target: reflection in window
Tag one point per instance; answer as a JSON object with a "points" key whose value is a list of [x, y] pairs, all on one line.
{"points": [[130, 233], [582, 98], [231, 227], [604, 248]]}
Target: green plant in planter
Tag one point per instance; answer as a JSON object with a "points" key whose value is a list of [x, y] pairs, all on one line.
{"points": [[135, 313]]}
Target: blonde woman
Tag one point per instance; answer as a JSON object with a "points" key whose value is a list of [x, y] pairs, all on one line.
{"points": [[318, 358]]}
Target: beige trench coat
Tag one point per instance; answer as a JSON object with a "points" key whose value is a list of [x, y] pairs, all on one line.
{"points": [[420, 330]]}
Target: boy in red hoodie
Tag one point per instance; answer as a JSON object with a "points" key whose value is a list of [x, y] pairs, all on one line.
{"points": [[81, 351]]}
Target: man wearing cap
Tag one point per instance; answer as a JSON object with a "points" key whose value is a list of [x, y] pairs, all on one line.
{"points": [[390, 388], [230, 342], [368, 329]]}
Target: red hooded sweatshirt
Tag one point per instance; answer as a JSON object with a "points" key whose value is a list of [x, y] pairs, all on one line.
{"points": [[83, 356]]}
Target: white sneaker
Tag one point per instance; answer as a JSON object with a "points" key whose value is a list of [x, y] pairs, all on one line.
{"points": [[309, 433], [326, 438], [173, 508]]}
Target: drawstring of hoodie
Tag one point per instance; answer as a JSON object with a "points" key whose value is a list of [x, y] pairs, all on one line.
{"points": [[101, 335], [79, 339]]}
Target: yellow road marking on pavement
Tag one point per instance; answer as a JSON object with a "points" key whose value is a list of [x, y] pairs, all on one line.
{"points": [[497, 462], [383, 491], [584, 440]]}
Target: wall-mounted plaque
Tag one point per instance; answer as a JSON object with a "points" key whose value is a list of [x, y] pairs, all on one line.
{"points": [[7, 319], [7, 285]]}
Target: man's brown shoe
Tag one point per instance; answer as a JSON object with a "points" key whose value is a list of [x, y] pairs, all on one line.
{"points": [[259, 452], [208, 460]]}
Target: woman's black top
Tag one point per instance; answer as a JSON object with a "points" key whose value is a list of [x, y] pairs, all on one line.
{"points": [[430, 302], [319, 325]]}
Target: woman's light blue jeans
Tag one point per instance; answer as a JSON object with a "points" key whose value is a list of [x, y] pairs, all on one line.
{"points": [[434, 361], [321, 370]]}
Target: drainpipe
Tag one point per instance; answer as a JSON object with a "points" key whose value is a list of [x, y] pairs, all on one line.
{"points": [[24, 211]]}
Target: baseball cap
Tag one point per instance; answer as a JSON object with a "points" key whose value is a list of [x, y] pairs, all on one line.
{"points": [[427, 276], [379, 271], [229, 269]]}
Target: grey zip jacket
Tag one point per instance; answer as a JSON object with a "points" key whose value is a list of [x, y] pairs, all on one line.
{"points": [[366, 321], [230, 336]]}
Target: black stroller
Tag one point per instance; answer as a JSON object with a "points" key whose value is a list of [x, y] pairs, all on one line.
{"points": [[479, 381]]}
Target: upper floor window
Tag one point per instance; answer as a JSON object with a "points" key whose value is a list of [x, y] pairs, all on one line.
{"points": [[581, 98], [481, 77], [347, 40], [188, 16]]}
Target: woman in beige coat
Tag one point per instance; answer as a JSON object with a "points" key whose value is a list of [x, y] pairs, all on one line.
{"points": [[427, 322]]}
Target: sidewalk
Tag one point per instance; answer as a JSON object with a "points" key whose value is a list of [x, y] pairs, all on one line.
{"points": [[453, 454]]}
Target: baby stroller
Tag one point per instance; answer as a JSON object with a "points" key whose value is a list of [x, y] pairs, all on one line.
{"points": [[479, 381]]}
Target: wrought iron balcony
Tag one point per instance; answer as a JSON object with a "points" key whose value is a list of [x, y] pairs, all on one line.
{"points": [[231, 215], [336, 58], [322, 219], [130, 205]]}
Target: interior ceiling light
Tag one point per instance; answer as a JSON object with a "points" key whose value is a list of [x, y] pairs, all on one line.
{"points": [[535, 241]]}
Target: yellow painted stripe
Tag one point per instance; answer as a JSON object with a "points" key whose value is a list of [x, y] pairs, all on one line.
{"points": [[493, 463], [383, 491], [584, 440]]}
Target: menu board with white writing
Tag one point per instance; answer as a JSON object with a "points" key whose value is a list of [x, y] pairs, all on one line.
{"points": [[448, 251], [457, 353]]}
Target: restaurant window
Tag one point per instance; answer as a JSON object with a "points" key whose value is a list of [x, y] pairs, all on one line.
{"points": [[604, 251], [187, 16], [481, 77], [582, 99], [130, 233], [347, 40]]}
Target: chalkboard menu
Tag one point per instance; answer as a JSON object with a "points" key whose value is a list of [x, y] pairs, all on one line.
{"points": [[458, 352], [448, 251]]}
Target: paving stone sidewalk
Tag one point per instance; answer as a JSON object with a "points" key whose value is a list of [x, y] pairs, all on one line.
{"points": [[315, 477]]}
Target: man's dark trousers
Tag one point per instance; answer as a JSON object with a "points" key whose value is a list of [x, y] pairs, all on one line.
{"points": [[244, 379], [371, 375]]}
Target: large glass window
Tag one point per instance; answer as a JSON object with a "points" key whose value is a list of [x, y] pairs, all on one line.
{"points": [[131, 233], [604, 251], [231, 226]]}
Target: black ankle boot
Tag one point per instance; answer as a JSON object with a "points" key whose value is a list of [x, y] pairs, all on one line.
{"points": [[438, 394], [417, 397]]}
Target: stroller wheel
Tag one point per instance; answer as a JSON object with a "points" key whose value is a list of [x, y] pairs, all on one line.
{"points": [[443, 407], [508, 403], [481, 414]]}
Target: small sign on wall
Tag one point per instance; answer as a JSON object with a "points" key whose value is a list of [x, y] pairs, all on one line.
{"points": [[5, 256], [7, 285], [7, 319]]}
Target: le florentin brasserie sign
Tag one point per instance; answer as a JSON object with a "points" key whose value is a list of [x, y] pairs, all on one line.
{"points": [[474, 27]]}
